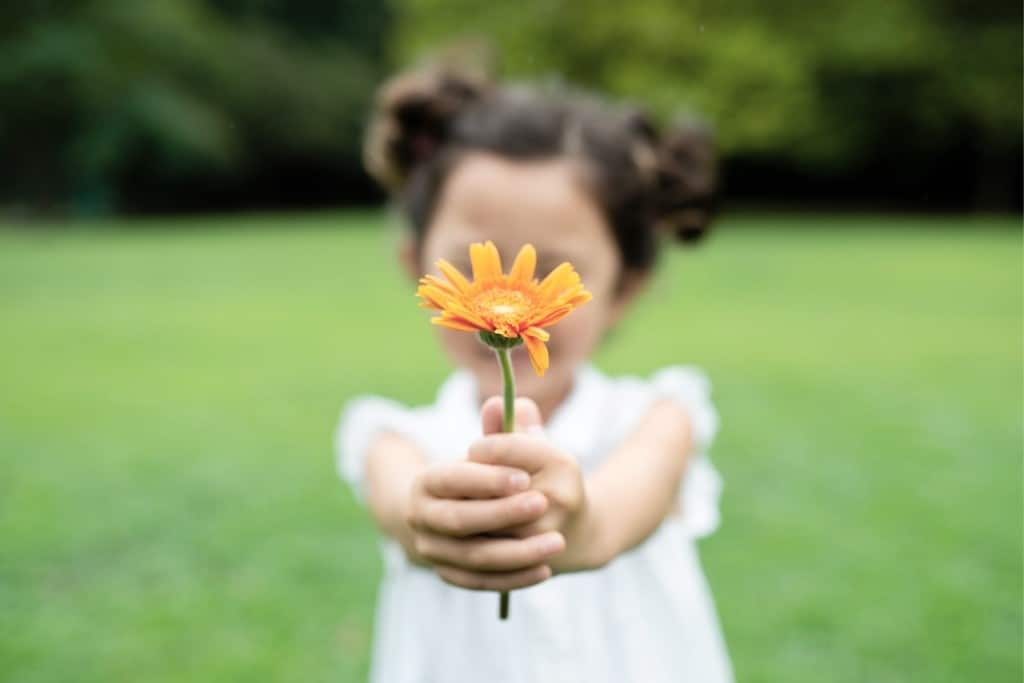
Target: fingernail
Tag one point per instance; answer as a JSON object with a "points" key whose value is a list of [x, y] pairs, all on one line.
{"points": [[519, 480], [535, 430], [551, 544], [534, 503]]}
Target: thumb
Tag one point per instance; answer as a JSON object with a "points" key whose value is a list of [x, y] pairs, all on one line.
{"points": [[527, 416]]}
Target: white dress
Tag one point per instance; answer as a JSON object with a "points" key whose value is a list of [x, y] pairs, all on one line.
{"points": [[646, 617]]}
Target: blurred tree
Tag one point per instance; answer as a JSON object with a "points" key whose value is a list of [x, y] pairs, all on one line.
{"points": [[178, 104], [197, 104], [901, 97]]}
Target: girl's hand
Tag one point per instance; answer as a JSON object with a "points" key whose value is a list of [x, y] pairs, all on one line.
{"points": [[451, 508], [553, 473]]}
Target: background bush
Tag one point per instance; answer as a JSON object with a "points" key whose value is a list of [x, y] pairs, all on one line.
{"points": [[171, 105]]}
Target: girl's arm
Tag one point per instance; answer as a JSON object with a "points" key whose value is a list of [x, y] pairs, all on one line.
{"points": [[392, 465], [633, 491], [616, 507]]}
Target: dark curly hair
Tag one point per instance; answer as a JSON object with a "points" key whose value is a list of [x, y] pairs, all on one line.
{"points": [[647, 181]]}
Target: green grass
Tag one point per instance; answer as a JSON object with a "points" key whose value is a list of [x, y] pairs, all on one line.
{"points": [[169, 509]]}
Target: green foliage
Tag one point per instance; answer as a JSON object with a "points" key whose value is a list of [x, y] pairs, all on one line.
{"points": [[828, 83], [194, 104], [105, 100], [169, 508]]}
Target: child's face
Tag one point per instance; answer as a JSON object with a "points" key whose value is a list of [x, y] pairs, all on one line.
{"points": [[541, 202]]}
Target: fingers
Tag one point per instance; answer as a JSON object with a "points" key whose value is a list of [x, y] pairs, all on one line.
{"points": [[473, 480], [548, 522], [521, 451], [501, 581], [491, 415], [482, 554], [470, 517], [527, 415]]}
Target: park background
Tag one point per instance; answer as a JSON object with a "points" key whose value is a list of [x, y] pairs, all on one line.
{"points": [[196, 273]]}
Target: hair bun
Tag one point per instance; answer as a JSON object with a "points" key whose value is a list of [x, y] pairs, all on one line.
{"points": [[686, 181], [412, 117]]}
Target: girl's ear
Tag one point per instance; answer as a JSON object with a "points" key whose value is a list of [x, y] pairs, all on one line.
{"points": [[408, 257], [631, 284]]}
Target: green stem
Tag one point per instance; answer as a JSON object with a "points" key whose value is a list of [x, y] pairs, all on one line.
{"points": [[509, 382], [508, 425]]}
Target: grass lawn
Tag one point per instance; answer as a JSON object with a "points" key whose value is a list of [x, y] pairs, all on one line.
{"points": [[169, 509]]}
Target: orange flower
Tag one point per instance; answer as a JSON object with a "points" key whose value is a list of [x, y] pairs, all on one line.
{"points": [[514, 306]]}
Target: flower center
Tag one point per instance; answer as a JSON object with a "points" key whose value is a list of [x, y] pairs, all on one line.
{"points": [[503, 305]]}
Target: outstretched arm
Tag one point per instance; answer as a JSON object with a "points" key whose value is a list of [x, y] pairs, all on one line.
{"points": [[636, 487], [392, 465]]}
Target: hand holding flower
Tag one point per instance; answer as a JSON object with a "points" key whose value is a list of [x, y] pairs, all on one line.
{"points": [[552, 472], [451, 508]]}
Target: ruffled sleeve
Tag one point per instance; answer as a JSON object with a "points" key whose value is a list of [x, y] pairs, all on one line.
{"points": [[362, 419], [701, 487]]}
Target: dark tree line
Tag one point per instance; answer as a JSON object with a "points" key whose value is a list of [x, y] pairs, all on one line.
{"points": [[214, 104]]}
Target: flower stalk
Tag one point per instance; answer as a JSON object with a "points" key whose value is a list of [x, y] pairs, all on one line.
{"points": [[509, 384], [508, 425], [502, 345]]}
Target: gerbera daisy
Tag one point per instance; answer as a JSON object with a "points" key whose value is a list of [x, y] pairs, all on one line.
{"points": [[505, 310]]}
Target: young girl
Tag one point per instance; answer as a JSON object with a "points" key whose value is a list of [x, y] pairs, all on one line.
{"points": [[590, 512]]}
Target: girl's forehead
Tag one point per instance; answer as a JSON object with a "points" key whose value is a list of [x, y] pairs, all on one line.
{"points": [[513, 203], [454, 241], [554, 246]]}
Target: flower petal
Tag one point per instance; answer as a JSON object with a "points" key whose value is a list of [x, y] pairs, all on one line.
{"points": [[453, 324], [506, 330], [434, 296], [524, 265], [438, 284], [551, 316], [453, 274], [538, 353], [486, 261], [579, 299], [558, 280], [537, 333], [458, 308]]}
